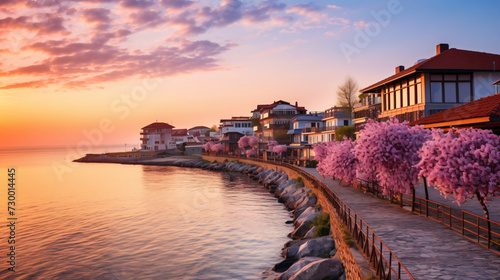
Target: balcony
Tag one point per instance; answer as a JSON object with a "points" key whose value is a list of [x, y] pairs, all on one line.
{"points": [[372, 112]]}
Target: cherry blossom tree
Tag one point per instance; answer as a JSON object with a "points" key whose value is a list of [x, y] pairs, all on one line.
{"points": [[340, 161], [250, 152], [279, 149], [463, 163], [388, 152], [207, 146], [271, 144], [322, 151], [219, 147], [248, 141]]}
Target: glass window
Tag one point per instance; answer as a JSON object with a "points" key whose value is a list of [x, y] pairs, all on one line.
{"points": [[464, 77], [450, 92], [397, 86], [404, 82], [405, 97], [436, 77], [412, 81], [391, 99], [464, 93], [412, 95], [419, 93], [398, 99], [418, 79], [436, 93], [450, 77]]}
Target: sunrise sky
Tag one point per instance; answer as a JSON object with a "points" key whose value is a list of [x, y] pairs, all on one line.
{"points": [[73, 66]]}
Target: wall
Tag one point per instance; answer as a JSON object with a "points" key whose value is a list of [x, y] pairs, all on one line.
{"points": [[344, 254], [482, 82]]}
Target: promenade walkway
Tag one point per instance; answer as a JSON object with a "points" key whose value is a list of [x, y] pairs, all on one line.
{"points": [[428, 249]]}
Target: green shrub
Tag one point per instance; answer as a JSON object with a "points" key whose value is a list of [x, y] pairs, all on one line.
{"points": [[215, 161], [322, 223], [299, 180], [226, 160], [342, 131]]}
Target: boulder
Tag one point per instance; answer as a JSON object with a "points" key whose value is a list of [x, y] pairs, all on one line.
{"points": [[307, 217], [305, 211], [283, 265], [296, 267], [320, 269], [314, 247], [310, 233], [296, 196], [306, 201], [303, 225], [279, 190]]}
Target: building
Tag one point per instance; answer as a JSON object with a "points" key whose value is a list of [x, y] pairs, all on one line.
{"points": [[302, 123], [334, 118], [483, 113], [450, 78], [198, 130], [230, 140], [275, 120], [180, 136], [157, 136], [242, 125], [370, 108]]}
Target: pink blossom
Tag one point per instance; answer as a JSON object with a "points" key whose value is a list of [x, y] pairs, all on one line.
{"points": [[219, 147], [279, 149], [462, 163], [271, 144], [338, 161], [207, 146], [388, 152], [251, 152], [248, 141]]}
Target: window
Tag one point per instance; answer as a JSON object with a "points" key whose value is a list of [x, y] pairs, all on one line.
{"points": [[346, 122], [398, 98], [412, 95], [405, 97], [450, 92], [436, 93], [419, 93], [464, 92], [391, 97]]}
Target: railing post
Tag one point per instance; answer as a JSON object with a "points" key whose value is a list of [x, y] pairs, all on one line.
{"points": [[477, 224], [463, 223]]}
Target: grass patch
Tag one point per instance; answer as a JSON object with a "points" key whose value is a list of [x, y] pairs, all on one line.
{"points": [[346, 235], [322, 223]]}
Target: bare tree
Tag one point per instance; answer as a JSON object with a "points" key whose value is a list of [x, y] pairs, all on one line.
{"points": [[347, 94]]}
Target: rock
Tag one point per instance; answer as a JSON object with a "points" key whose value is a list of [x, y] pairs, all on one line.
{"points": [[306, 201], [319, 270], [304, 211], [311, 248], [307, 217], [310, 233], [296, 267], [283, 265], [279, 190], [296, 196]]}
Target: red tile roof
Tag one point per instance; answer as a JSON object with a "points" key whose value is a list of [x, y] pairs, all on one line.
{"points": [[199, 127], [483, 107], [276, 103], [158, 125], [180, 132], [450, 60]]}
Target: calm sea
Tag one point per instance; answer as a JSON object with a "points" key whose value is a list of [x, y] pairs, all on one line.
{"points": [[111, 221]]}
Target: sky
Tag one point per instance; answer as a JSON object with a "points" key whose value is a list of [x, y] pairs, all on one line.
{"points": [[96, 71]]}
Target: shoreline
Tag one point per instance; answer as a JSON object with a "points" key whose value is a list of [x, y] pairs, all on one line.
{"points": [[309, 254]]}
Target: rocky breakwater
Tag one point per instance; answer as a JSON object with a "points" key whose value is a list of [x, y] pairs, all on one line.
{"points": [[310, 253]]}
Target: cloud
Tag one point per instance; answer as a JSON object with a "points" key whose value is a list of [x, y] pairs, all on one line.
{"points": [[81, 43], [176, 4], [274, 51], [333, 7]]}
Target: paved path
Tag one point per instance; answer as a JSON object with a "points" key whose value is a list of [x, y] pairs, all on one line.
{"points": [[428, 249]]}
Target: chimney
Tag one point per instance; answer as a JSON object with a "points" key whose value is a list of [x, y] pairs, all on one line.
{"points": [[441, 48], [296, 104], [400, 68]]}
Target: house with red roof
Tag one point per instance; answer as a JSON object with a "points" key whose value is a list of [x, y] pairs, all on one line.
{"points": [[450, 78], [198, 130], [483, 113], [157, 136], [275, 120], [180, 136]]}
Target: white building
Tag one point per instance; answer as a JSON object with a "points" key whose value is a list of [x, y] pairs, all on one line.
{"points": [[241, 125], [156, 136]]}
